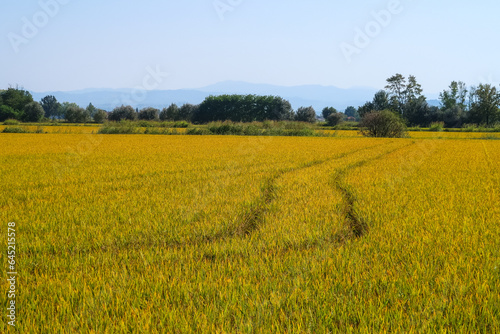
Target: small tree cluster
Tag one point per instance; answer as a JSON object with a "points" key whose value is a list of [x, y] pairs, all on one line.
{"points": [[149, 114], [459, 105], [383, 123], [122, 113], [17, 103], [332, 116], [243, 108], [306, 114]]}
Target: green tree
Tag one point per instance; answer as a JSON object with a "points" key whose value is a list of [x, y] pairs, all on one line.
{"points": [[365, 109], [413, 90], [455, 96], [396, 85], [123, 113], [76, 114], [484, 104], [16, 98], [242, 108], [171, 113], [406, 98], [277, 109], [100, 116], [453, 105], [186, 112], [351, 112], [327, 111], [306, 114], [64, 107], [50, 106], [33, 112], [417, 111], [335, 118], [7, 112], [91, 110], [149, 114], [380, 101]]}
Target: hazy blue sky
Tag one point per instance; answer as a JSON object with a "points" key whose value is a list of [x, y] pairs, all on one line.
{"points": [[116, 43]]}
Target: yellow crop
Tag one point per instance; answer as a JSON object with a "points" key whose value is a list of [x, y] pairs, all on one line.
{"points": [[222, 234]]}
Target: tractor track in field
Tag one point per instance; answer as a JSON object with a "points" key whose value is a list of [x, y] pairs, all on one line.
{"points": [[253, 218], [250, 221], [355, 226]]}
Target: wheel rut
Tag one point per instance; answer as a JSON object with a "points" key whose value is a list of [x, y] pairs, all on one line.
{"points": [[253, 218], [355, 226]]}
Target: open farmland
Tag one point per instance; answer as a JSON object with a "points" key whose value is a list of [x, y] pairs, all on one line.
{"points": [[128, 233]]}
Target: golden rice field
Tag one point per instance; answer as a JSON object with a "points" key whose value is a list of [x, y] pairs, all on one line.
{"points": [[223, 234], [421, 134]]}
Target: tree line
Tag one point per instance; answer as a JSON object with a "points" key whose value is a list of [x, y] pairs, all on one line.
{"points": [[17, 103], [459, 104]]}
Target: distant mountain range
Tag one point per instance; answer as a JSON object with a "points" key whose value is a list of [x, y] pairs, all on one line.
{"points": [[308, 95]]}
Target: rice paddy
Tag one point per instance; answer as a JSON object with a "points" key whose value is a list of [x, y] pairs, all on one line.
{"points": [[235, 234]]}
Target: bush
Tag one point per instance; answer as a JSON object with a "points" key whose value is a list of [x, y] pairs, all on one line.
{"points": [[436, 126], [383, 123], [226, 129], [145, 124], [347, 126], [252, 130], [123, 127], [198, 132], [161, 131], [14, 130], [299, 133], [469, 128], [288, 125], [11, 122], [334, 119], [181, 124]]}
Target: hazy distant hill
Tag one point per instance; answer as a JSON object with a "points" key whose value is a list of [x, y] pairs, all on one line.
{"points": [[307, 95]]}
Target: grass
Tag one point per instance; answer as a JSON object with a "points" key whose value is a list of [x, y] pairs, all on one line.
{"points": [[14, 129], [233, 234]]}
